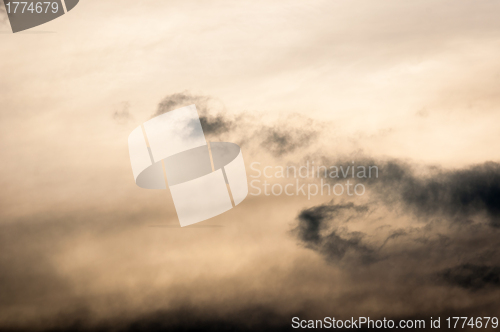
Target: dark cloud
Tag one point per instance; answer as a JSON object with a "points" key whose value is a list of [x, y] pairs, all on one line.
{"points": [[214, 122], [472, 276], [191, 319], [280, 140], [288, 136], [215, 125], [248, 320], [457, 225], [430, 191], [178, 100], [319, 228], [456, 194], [392, 257], [186, 319]]}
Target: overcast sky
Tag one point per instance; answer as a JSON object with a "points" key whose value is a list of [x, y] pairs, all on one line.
{"points": [[412, 87]]}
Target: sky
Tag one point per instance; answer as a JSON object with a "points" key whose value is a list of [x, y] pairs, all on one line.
{"points": [[409, 87]]}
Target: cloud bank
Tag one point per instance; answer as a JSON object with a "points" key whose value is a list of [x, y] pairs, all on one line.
{"points": [[447, 233]]}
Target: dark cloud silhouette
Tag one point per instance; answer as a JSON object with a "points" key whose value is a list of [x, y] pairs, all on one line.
{"points": [[430, 191], [472, 276], [457, 225], [3, 13], [319, 229], [186, 319], [418, 254], [181, 99], [248, 320], [456, 194], [280, 140], [213, 123]]}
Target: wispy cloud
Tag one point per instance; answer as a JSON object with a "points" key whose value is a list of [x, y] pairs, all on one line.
{"points": [[214, 120], [319, 230], [279, 138]]}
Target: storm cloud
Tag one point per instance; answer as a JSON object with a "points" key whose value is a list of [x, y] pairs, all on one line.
{"points": [[280, 140], [473, 276], [456, 194], [430, 191], [186, 319], [319, 229]]}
